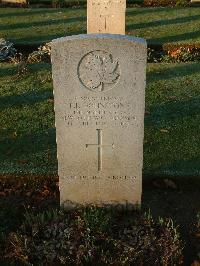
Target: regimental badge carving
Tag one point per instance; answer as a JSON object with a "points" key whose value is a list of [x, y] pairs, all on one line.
{"points": [[98, 71]]}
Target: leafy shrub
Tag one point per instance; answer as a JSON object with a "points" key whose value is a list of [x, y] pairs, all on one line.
{"points": [[94, 236], [182, 3], [163, 3], [154, 56], [174, 54], [58, 3], [42, 55], [7, 50], [75, 3], [182, 54]]}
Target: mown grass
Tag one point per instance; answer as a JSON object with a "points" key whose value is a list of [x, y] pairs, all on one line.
{"points": [[171, 144], [27, 120], [157, 25]]}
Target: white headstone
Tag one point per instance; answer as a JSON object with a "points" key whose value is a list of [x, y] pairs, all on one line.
{"points": [[99, 90], [106, 16]]}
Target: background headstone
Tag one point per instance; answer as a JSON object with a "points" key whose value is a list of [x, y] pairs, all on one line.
{"points": [[23, 2], [99, 90], [106, 16]]}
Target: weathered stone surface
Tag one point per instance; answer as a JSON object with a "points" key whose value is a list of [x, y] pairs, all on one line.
{"points": [[99, 87], [106, 16]]}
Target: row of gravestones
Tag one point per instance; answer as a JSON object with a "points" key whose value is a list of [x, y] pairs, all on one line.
{"points": [[99, 91]]}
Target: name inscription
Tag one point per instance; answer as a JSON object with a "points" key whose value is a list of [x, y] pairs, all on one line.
{"points": [[99, 111]]}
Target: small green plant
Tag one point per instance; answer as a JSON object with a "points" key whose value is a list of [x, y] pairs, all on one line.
{"points": [[58, 3], [91, 235], [40, 219], [2, 235], [96, 219], [182, 3], [148, 216]]}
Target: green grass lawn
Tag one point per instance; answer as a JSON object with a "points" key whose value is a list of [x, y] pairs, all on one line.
{"points": [[157, 25], [171, 144]]}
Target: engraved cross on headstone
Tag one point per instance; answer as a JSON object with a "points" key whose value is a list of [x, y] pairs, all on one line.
{"points": [[105, 21], [100, 146]]}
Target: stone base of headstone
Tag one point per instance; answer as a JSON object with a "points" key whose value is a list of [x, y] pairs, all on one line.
{"points": [[68, 205]]}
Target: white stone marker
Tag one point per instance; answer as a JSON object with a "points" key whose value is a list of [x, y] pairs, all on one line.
{"points": [[99, 90], [106, 16]]}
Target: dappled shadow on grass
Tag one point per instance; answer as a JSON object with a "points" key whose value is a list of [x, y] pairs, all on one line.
{"points": [[14, 148], [27, 139], [174, 110], [42, 23], [48, 37], [162, 22], [11, 70], [29, 154], [173, 71], [27, 98], [29, 12], [7, 71], [172, 146], [169, 153], [174, 168], [176, 38], [145, 10]]}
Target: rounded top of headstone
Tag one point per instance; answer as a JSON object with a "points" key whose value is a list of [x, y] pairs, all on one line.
{"points": [[105, 36]]}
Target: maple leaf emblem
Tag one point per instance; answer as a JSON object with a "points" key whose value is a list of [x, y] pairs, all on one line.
{"points": [[98, 70]]}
